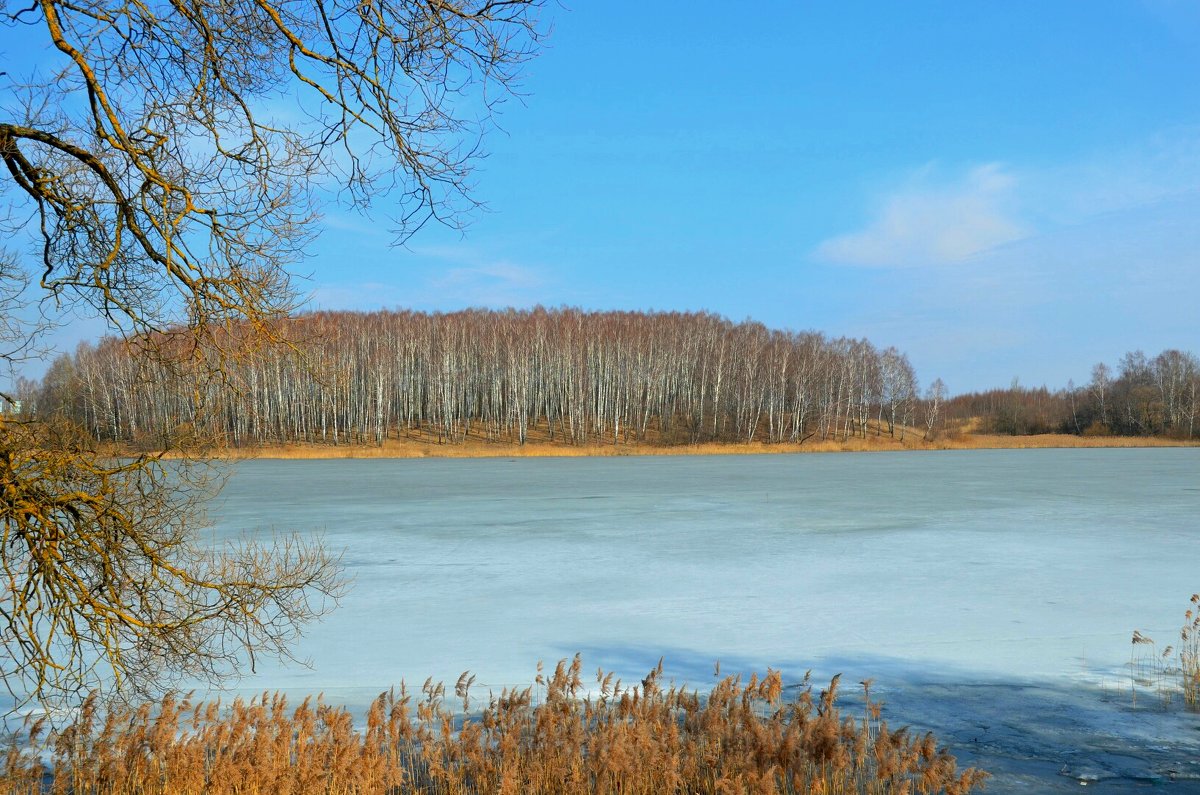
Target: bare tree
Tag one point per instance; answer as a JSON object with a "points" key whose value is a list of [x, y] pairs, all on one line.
{"points": [[1175, 374], [1100, 386], [933, 406], [168, 167], [161, 183]]}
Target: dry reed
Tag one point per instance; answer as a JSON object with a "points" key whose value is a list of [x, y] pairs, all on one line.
{"points": [[740, 737], [421, 447], [1174, 670], [1189, 654]]}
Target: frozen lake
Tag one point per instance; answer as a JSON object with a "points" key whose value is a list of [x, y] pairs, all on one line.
{"points": [[991, 594]]}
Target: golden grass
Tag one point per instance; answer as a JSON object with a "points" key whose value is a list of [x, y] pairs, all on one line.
{"points": [[424, 443], [990, 441], [739, 738], [479, 448]]}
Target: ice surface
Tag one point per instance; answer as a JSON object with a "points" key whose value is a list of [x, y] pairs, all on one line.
{"points": [[991, 594]]}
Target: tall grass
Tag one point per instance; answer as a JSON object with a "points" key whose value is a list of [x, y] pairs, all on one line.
{"points": [[417, 443], [649, 738], [1150, 669], [1189, 654], [1175, 670]]}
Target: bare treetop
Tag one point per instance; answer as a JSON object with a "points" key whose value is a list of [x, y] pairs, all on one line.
{"points": [[167, 159], [169, 162]]}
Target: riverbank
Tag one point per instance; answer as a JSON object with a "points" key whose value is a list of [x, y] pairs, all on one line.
{"points": [[417, 447]]}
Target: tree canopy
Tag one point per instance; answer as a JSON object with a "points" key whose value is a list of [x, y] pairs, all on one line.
{"points": [[165, 164], [171, 153]]}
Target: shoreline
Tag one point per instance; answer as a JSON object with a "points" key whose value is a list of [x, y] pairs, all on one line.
{"points": [[474, 448]]}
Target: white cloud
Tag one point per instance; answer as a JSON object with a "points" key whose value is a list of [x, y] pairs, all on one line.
{"points": [[476, 278], [487, 284], [440, 278], [1048, 307], [926, 224]]}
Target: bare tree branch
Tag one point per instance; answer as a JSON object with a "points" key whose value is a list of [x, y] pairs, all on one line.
{"points": [[169, 169]]}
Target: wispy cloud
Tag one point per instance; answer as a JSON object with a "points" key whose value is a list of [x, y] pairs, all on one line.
{"points": [[354, 223], [1162, 168], [488, 284], [357, 296], [441, 278], [467, 276], [926, 223], [1108, 262]]}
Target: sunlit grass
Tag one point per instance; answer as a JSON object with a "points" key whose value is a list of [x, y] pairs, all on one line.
{"points": [[422, 444], [555, 737]]}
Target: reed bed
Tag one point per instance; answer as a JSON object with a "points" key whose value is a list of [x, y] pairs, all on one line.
{"points": [[555, 737], [1174, 670], [422, 447], [1189, 654]]}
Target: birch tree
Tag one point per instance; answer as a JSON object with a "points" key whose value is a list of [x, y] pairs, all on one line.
{"points": [[934, 398]]}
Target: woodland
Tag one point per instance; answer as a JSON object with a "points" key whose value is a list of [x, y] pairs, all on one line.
{"points": [[1142, 396], [578, 377]]}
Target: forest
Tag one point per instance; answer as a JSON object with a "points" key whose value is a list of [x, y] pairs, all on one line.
{"points": [[575, 377]]}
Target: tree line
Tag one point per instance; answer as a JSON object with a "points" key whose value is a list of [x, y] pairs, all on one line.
{"points": [[564, 374], [572, 376], [1141, 396]]}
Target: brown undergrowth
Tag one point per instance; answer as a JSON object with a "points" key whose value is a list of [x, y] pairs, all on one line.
{"points": [[752, 736], [415, 444]]}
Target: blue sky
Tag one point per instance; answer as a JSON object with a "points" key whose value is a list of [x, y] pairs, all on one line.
{"points": [[998, 189]]}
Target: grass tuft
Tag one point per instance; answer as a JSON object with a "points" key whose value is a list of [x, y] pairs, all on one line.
{"points": [[1176, 669], [1189, 654]]}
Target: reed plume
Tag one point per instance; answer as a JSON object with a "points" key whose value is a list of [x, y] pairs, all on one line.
{"points": [[758, 736]]}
